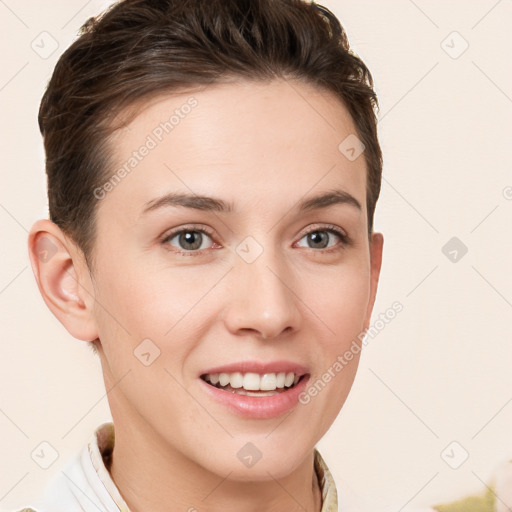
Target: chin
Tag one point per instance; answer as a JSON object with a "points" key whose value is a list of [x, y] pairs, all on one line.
{"points": [[252, 464]]}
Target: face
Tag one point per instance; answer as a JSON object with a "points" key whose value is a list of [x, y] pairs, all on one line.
{"points": [[258, 279]]}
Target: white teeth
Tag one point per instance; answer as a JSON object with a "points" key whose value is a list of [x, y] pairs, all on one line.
{"points": [[236, 380], [255, 393], [253, 381], [268, 382]]}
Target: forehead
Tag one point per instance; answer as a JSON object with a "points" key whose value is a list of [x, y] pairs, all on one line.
{"points": [[253, 140]]}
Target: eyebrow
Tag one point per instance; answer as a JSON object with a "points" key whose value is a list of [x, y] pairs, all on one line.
{"points": [[205, 203]]}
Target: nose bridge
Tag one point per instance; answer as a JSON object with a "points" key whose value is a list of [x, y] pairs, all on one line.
{"points": [[262, 298]]}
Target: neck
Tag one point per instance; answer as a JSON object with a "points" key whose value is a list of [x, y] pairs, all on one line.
{"points": [[151, 475]]}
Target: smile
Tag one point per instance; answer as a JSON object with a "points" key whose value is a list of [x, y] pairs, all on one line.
{"points": [[255, 389], [253, 384]]}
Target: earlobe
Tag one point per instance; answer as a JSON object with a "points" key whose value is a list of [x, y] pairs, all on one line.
{"points": [[376, 246], [62, 278]]}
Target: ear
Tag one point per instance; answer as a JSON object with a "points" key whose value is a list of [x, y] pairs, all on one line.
{"points": [[63, 279], [376, 245]]}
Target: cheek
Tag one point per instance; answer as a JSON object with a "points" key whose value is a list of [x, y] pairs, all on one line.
{"points": [[340, 301], [339, 298], [342, 310], [165, 306], [147, 302]]}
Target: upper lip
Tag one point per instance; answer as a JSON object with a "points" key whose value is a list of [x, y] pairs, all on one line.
{"points": [[259, 367]]}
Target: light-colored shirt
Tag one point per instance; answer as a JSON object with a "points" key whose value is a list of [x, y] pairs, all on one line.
{"points": [[85, 485]]}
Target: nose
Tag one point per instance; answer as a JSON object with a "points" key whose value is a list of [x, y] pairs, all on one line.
{"points": [[263, 301]]}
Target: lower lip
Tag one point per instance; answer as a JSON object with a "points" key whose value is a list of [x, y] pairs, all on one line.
{"points": [[259, 407]]}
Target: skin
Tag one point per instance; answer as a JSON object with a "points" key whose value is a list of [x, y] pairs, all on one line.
{"points": [[262, 146]]}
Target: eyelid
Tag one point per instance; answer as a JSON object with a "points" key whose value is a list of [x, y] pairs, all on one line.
{"points": [[188, 227], [341, 233], [327, 227], [331, 228]]}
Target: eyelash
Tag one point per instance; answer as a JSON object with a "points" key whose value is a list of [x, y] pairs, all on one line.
{"points": [[192, 229], [345, 239]]}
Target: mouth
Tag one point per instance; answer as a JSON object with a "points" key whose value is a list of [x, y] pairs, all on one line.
{"points": [[255, 389], [254, 384]]}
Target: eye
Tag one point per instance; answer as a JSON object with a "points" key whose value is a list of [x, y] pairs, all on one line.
{"points": [[319, 238], [188, 240]]}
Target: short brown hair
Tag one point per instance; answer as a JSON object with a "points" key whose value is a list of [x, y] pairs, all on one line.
{"points": [[142, 48]]}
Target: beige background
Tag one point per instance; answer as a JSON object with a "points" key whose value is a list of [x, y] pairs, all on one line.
{"points": [[439, 372]]}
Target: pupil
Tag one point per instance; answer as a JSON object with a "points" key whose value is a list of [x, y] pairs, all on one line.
{"points": [[316, 238], [188, 238]]}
